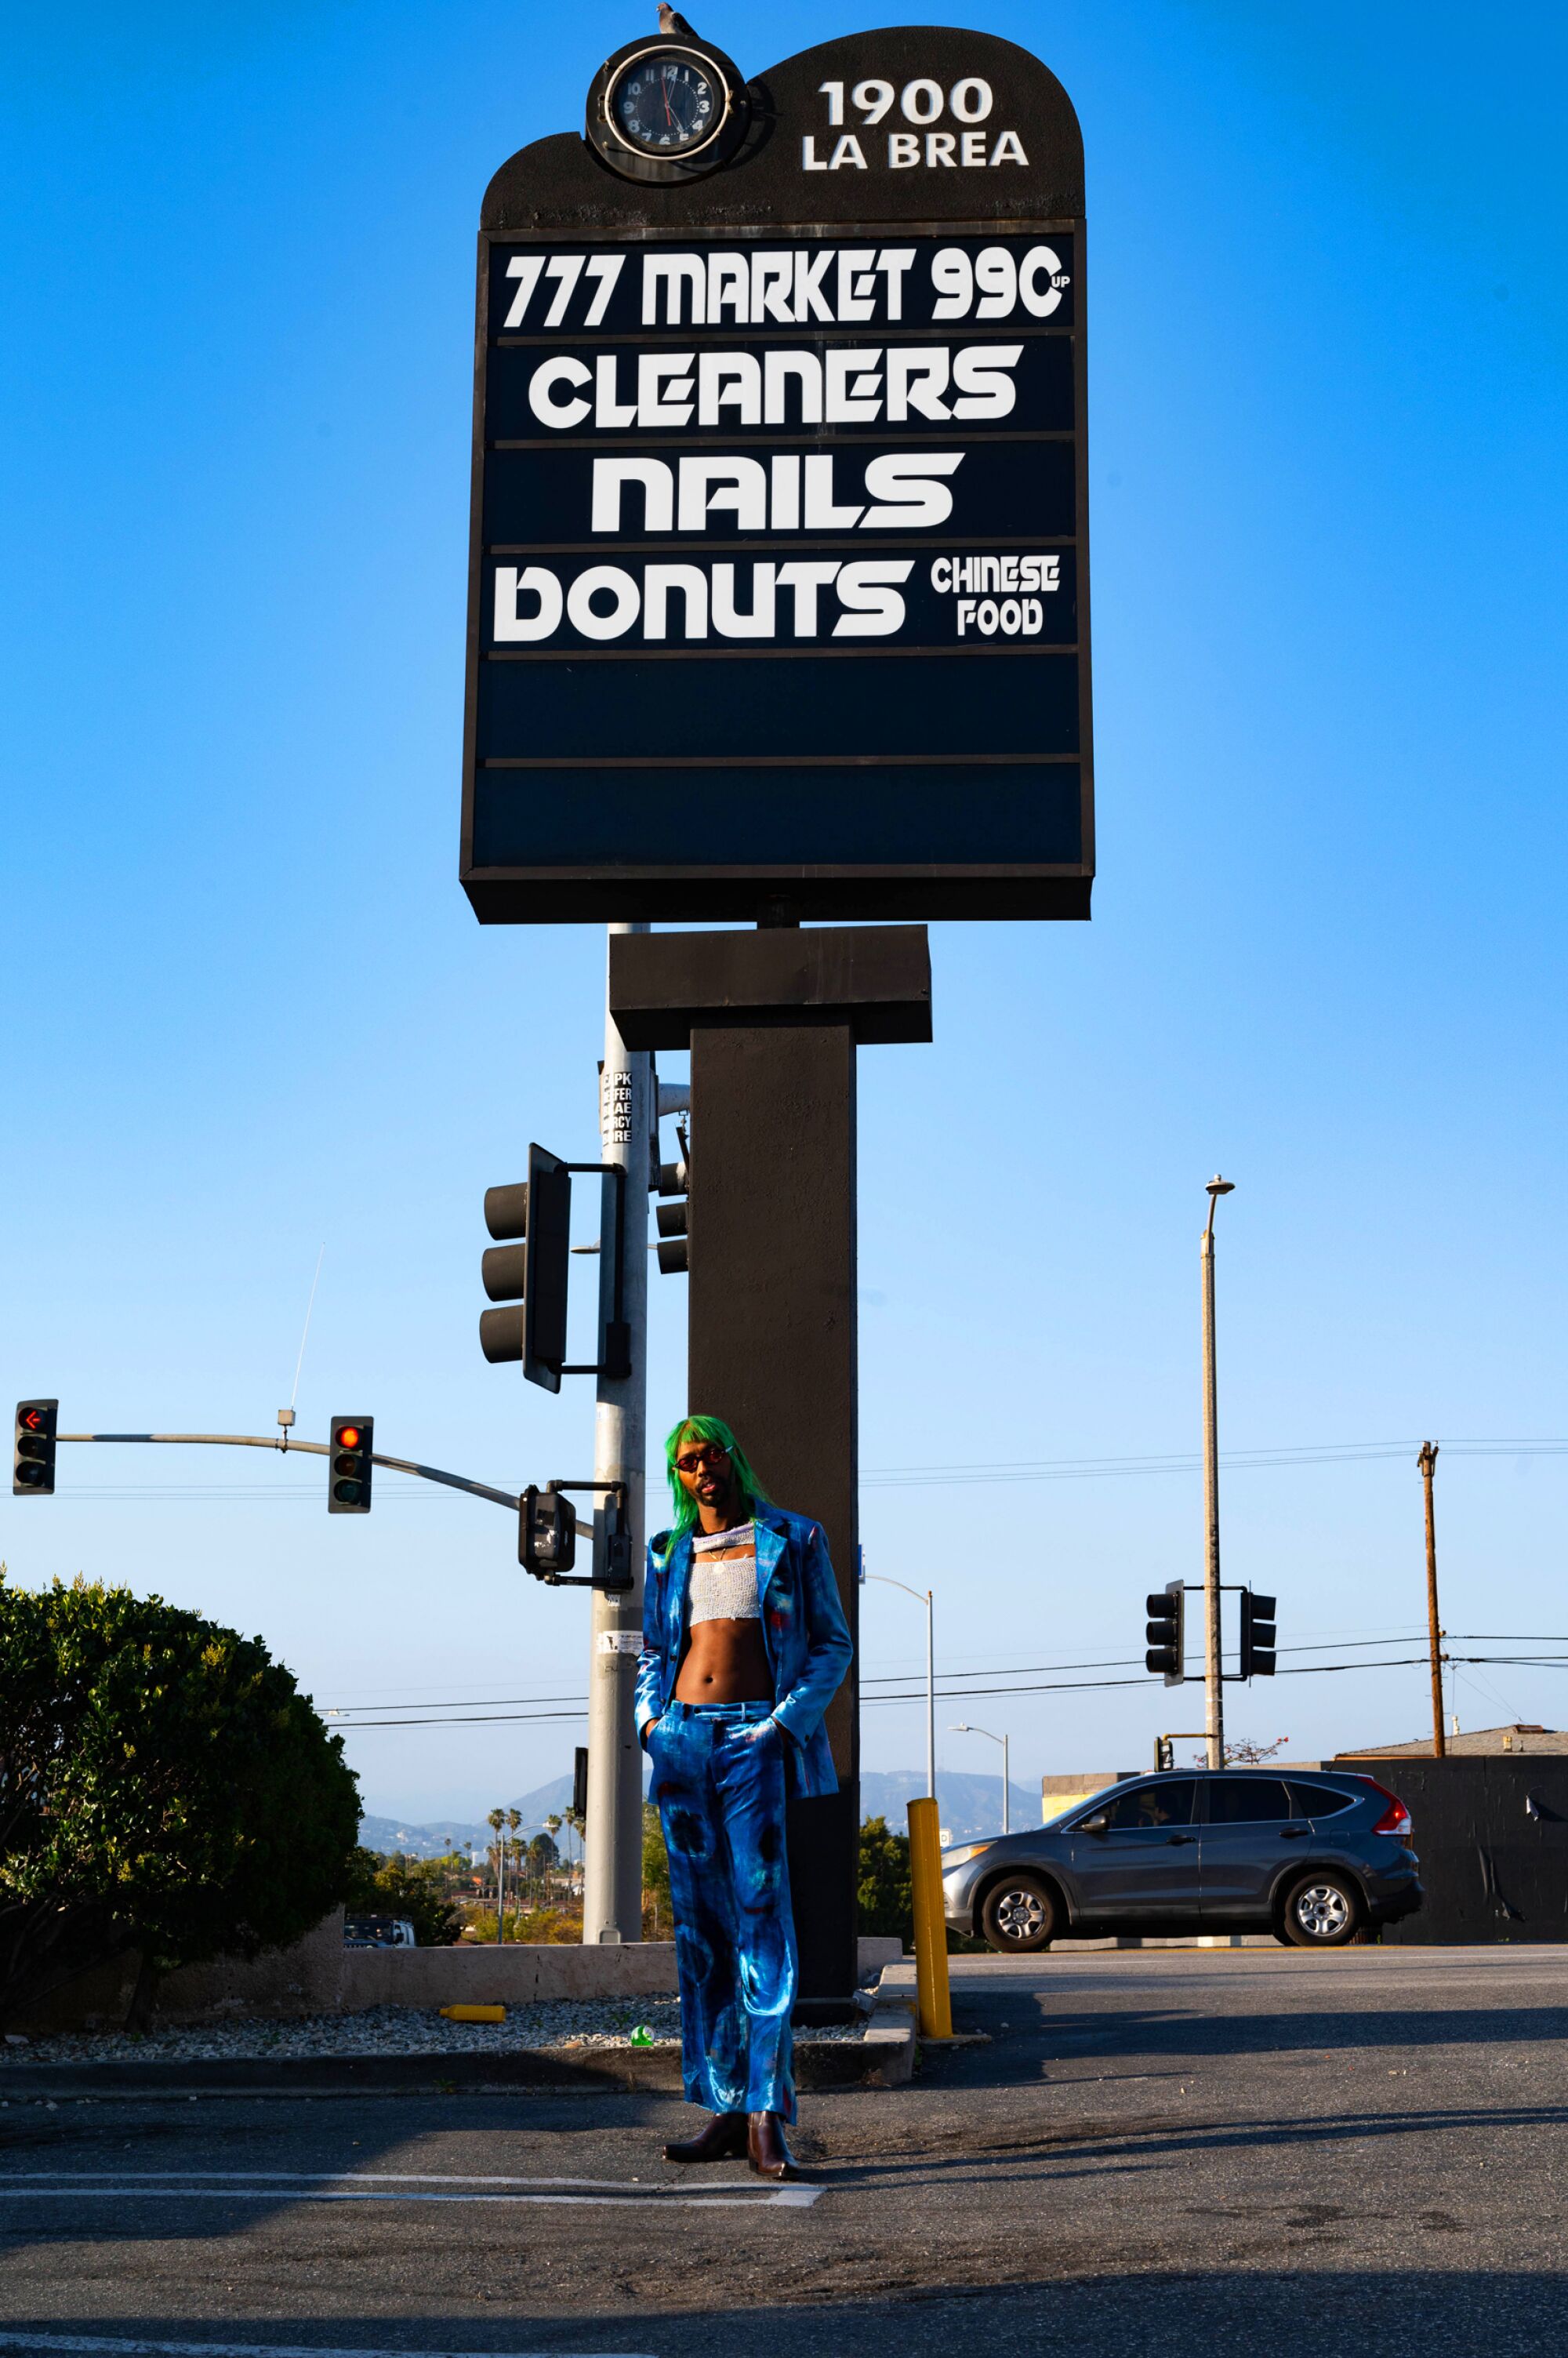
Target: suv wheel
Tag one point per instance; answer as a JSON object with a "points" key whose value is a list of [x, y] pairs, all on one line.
{"points": [[1322, 1911], [1020, 1914]]}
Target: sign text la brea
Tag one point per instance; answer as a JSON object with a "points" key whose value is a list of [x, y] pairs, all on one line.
{"points": [[961, 146]]}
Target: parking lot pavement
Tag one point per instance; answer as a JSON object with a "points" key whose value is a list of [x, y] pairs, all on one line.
{"points": [[1182, 2153]]}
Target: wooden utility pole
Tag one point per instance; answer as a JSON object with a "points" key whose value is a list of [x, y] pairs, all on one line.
{"points": [[1427, 1461]]}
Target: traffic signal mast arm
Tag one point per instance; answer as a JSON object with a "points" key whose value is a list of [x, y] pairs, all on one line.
{"points": [[508, 1499]]}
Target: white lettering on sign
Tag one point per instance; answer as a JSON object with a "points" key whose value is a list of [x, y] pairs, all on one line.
{"points": [[615, 1109], [905, 490], [852, 286], [755, 600], [1008, 616], [768, 289], [856, 386], [921, 101]]}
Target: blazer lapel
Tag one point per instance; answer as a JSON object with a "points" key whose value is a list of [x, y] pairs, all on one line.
{"points": [[677, 1586], [770, 1545]]}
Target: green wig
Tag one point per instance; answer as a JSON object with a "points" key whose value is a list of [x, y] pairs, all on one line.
{"points": [[704, 1428]]}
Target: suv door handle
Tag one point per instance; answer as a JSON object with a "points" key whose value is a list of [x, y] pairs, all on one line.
{"points": [[1181, 1838], [1294, 1834]]}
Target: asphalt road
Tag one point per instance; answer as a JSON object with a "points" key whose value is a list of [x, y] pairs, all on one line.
{"points": [[1182, 2153]]}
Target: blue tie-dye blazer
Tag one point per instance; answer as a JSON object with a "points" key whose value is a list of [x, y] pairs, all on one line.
{"points": [[803, 1629]]}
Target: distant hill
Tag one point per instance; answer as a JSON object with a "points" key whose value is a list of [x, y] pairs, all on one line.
{"points": [[968, 1805], [431, 1840], [971, 1807]]}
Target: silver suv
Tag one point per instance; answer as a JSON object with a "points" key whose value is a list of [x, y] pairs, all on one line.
{"points": [[1313, 1859]]}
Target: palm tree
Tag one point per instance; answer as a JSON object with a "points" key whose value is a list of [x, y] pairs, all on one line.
{"points": [[495, 1821], [513, 1819]]}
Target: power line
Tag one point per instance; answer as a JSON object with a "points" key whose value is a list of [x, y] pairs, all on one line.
{"points": [[956, 1685], [1059, 1469], [483, 1719]]}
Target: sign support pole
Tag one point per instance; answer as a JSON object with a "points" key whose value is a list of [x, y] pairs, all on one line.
{"points": [[774, 1020], [613, 1873]]}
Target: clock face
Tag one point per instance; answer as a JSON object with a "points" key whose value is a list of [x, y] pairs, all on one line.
{"points": [[667, 101]]}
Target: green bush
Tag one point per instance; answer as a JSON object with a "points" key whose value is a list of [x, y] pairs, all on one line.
{"points": [[164, 1786], [886, 1902]]}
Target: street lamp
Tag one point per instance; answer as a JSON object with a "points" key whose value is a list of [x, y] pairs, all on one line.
{"points": [[1213, 1690], [963, 1728], [921, 1596]]}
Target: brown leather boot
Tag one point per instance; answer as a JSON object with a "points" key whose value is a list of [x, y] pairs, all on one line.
{"points": [[724, 2139], [765, 2148]]}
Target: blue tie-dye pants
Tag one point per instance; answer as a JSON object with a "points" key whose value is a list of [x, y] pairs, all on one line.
{"points": [[719, 1782]]}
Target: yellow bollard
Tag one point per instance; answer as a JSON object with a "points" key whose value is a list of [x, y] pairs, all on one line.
{"points": [[930, 1925]]}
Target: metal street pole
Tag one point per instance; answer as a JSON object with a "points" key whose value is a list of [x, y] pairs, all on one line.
{"points": [[1214, 1689], [1427, 1461], [922, 1596], [613, 1837]]}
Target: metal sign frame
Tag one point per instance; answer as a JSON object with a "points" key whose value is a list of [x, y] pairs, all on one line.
{"points": [[544, 198]]}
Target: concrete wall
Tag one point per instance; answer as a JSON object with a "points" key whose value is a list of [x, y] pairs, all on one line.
{"points": [[305, 1979], [321, 1977]]}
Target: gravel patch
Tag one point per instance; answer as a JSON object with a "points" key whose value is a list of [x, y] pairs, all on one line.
{"points": [[386, 2030]]}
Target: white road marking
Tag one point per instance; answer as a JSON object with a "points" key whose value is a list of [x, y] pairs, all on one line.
{"points": [[379, 2186], [89, 2342]]}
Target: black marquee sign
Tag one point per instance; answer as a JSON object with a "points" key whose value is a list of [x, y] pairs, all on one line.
{"points": [[779, 574]]}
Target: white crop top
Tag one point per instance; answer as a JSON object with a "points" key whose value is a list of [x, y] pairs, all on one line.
{"points": [[725, 1590]]}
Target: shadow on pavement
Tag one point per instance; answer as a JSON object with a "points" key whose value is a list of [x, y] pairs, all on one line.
{"points": [[1334, 2313]]}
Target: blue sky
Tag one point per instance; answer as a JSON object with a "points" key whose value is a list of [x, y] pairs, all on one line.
{"points": [[252, 1013]]}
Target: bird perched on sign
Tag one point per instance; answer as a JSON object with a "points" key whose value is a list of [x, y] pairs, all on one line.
{"points": [[672, 21]]}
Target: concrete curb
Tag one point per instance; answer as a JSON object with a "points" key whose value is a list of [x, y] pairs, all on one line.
{"points": [[880, 2060], [885, 2058]]}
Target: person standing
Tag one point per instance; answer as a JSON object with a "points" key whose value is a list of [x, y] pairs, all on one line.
{"points": [[744, 1646]]}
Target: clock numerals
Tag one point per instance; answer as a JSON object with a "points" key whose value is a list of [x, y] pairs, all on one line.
{"points": [[664, 104]]}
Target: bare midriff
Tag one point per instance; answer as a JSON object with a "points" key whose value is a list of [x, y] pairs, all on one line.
{"points": [[725, 1661]]}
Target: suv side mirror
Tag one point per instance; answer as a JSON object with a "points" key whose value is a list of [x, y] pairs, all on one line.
{"points": [[1098, 1825]]}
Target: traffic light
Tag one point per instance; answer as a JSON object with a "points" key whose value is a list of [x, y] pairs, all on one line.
{"points": [[349, 1465], [675, 1219], [32, 1462], [530, 1275], [546, 1533], [1166, 1633], [1256, 1636], [611, 1545]]}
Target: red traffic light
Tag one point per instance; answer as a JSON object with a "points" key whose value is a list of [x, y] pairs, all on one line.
{"points": [[32, 1419], [350, 1456]]}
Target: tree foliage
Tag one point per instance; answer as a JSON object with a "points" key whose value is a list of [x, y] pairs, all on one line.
{"points": [[886, 1899], [164, 1786], [658, 1916], [410, 1887]]}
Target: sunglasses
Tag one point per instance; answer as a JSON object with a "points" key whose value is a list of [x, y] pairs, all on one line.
{"points": [[695, 1458]]}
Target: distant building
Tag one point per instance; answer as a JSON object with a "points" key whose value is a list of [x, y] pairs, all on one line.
{"points": [[1059, 1793], [1522, 1735]]}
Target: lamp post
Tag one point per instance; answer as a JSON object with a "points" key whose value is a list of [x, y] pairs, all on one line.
{"points": [[1213, 1713], [963, 1728], [921, 1596]]}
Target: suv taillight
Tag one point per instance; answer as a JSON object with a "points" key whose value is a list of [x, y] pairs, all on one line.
{"points": [[1396, 1817]]}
